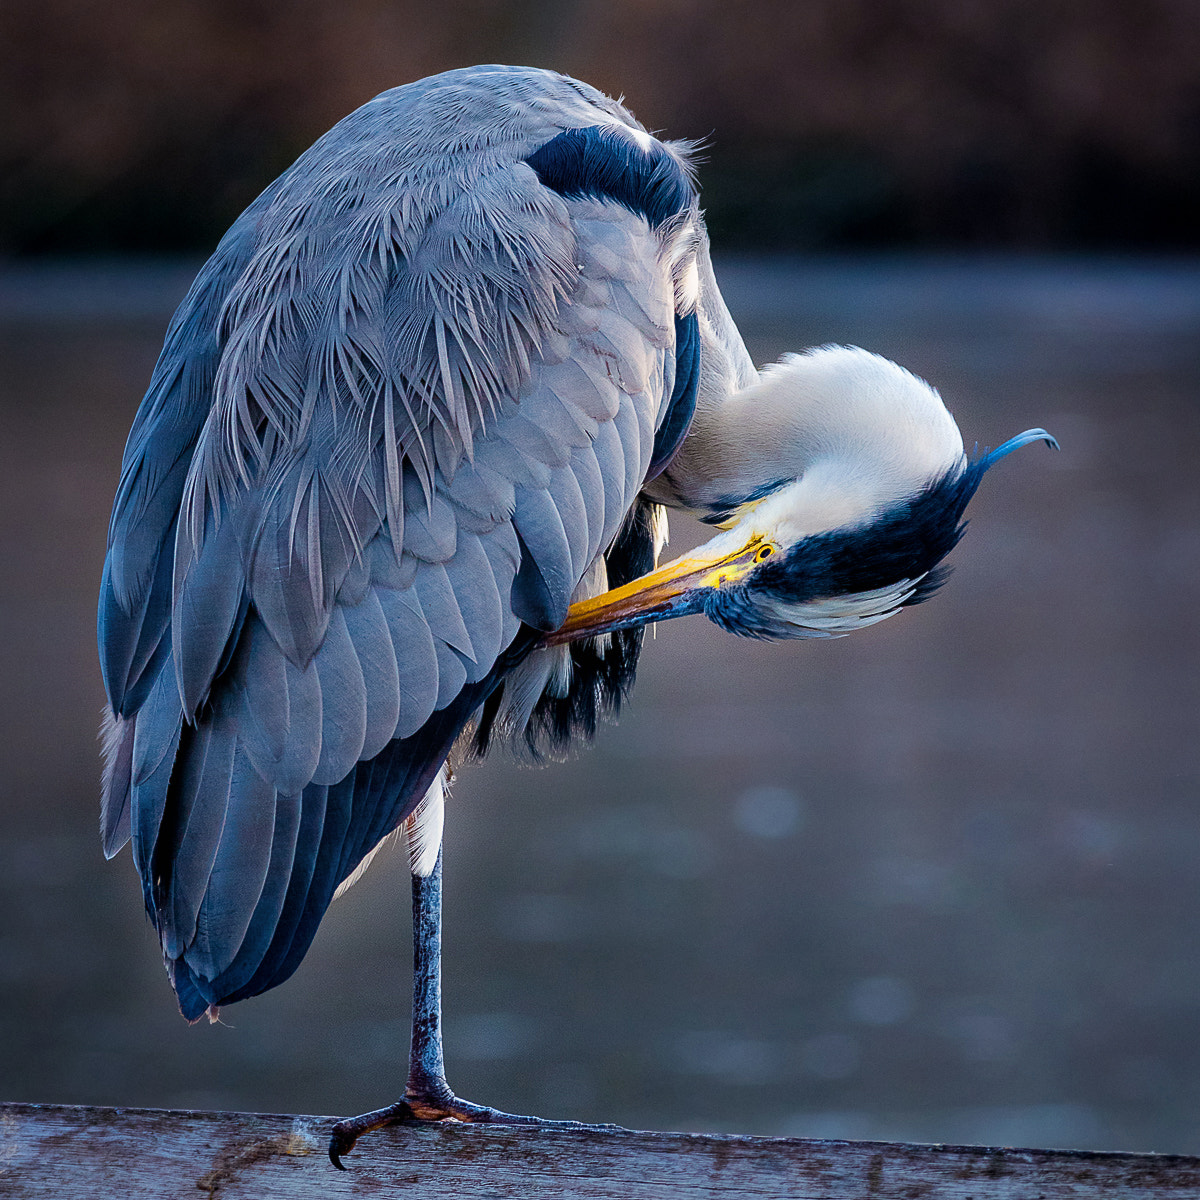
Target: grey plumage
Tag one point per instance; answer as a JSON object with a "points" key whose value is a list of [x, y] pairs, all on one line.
{"points": [[404, 408], [417, 411]]}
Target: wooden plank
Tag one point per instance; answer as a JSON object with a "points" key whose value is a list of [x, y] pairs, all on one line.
{"points": [[98, 1153]]}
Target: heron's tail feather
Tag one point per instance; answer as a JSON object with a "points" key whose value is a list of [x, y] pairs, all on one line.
{"points": [[273, 862]]}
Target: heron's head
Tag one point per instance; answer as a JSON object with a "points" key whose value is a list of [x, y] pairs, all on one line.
{"points": [[838, 482]]}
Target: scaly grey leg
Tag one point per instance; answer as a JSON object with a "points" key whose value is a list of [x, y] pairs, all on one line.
{"points": [[427, 1096]]}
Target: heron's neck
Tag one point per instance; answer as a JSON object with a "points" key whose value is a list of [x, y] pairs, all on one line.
{"points": [[836, 419]]}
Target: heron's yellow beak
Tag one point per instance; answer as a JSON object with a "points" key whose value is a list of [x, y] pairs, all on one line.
{"points": [[675, 590]]}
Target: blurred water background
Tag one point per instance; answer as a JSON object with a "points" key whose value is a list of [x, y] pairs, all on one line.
{"points": [[937, 881]]}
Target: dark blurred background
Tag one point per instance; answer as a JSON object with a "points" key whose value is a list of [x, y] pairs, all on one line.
{"points": [[936, 881], [831, 123]]}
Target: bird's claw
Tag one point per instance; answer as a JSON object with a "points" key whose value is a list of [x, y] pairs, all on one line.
{"points": [[345, 1133], [414, 1110], [434, 1108]]}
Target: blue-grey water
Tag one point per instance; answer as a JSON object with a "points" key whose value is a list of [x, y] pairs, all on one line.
{"points": [[937, 881]]}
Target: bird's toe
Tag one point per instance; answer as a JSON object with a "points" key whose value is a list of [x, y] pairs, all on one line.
{"points": [[436, 1106], [344, 1135]]}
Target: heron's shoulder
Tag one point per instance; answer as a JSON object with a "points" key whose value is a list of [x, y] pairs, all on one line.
{"points": [[516, 96], [434, 137], [459, 121]]}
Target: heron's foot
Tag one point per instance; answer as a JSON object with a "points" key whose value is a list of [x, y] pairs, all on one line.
{"points": [[439, 1105]]}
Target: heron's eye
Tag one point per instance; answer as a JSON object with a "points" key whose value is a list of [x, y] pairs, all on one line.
{"points": [[763, 553]]}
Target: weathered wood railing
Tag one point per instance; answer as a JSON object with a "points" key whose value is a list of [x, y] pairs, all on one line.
{"points": [[101, 1153]]}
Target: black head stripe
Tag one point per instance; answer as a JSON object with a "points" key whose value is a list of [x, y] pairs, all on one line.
{"points": [[906, 542], [607, 163]]}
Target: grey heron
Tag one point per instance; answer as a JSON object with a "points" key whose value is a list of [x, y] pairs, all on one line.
{"points": [[397, 490]]}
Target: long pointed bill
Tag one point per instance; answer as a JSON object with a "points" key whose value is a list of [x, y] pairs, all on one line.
{"points": [[675, 590], [1015, 443]]}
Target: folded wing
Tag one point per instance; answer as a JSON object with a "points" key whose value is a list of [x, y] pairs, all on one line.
{"points": [[395, 423]]}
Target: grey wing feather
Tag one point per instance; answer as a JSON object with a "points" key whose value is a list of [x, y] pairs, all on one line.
{"points": [[385, 569], [533, 441], [586, 471], [441, 608], [287, 851], [135, 590], [343, 702], [481, 490], [546, 580], [430, 530], [116, 821], [636, 444], [452, 673], [261, 680], [281, 712], [157, 731], [132, 642], [610, 458], [566, 422], [369, 635], [206, 611], [356, 585], [503, 551], [411, 423], [412, 642], [505, 458], [200, 802], [239, 870], [480, 603], [302, 750], [568, 499], [302, 535], [588, 384]]}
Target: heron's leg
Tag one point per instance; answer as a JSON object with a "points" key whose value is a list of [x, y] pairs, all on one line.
{"points": [[427, 1096], [427, 1092]]}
